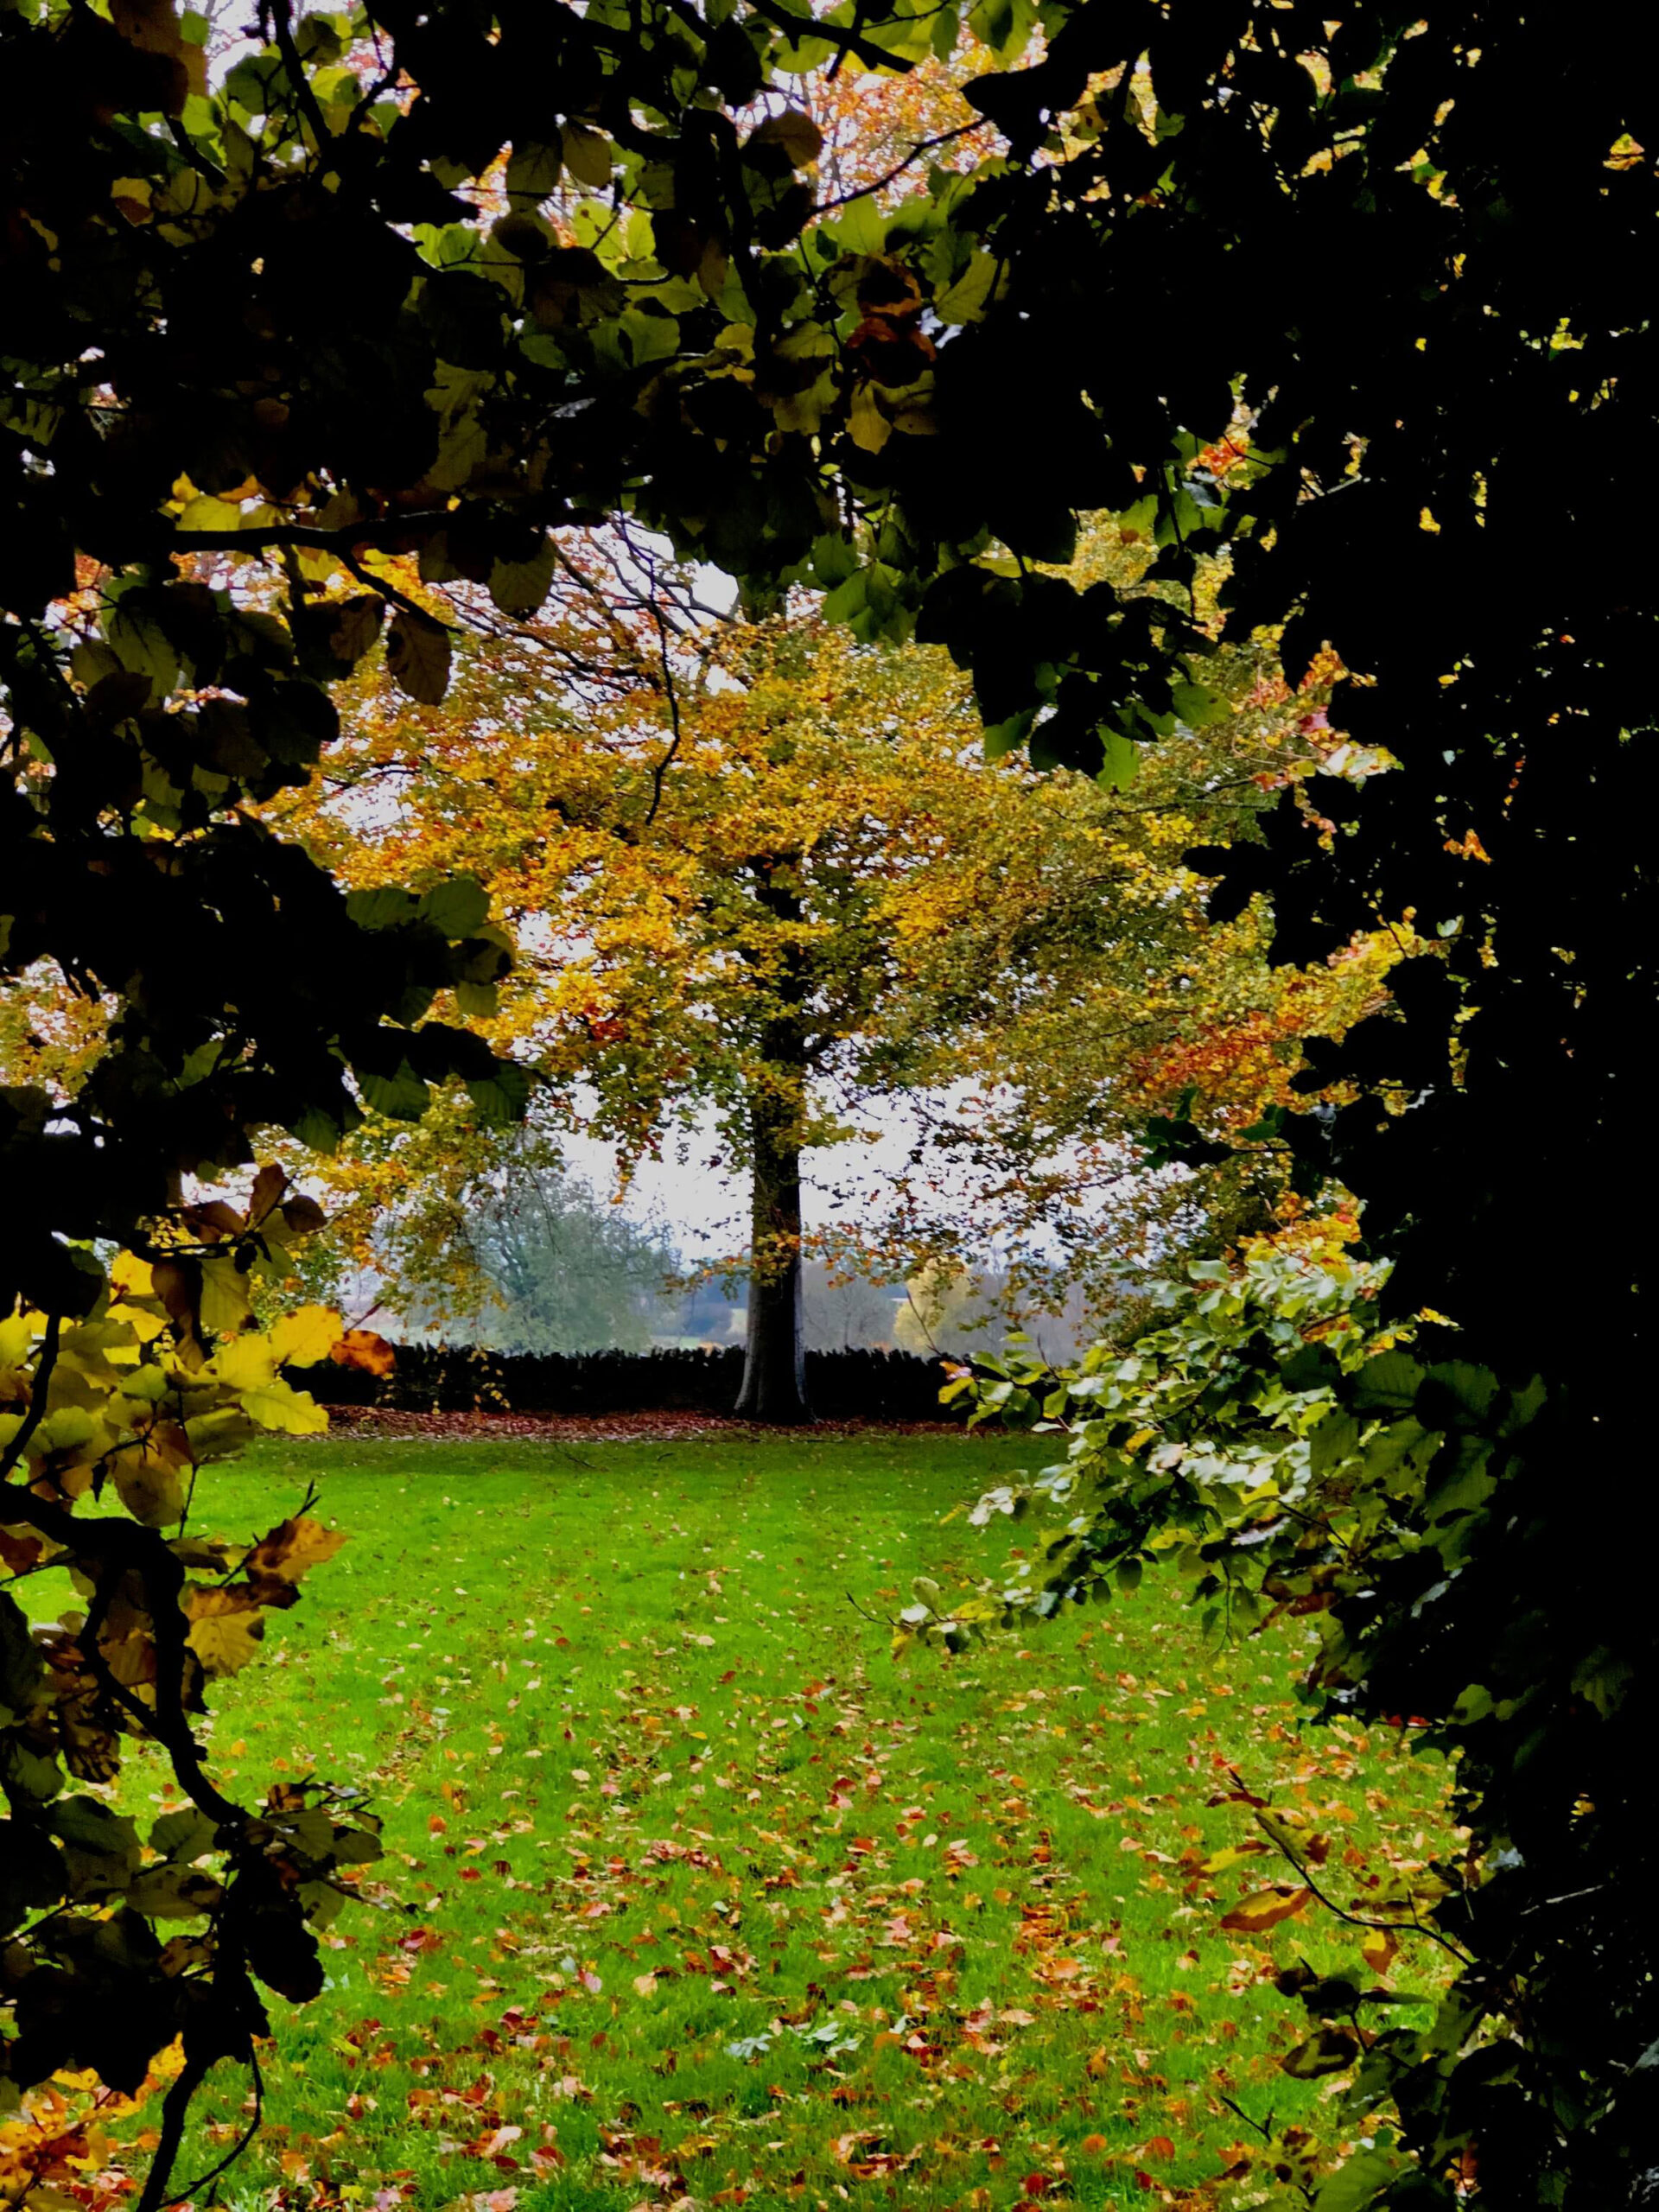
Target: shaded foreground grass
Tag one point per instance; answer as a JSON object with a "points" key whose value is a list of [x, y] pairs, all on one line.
{"points": [[691, 1891]]}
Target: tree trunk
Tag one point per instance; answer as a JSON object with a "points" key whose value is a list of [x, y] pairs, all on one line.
{"points": [[774, 1358], [774, 1355]]}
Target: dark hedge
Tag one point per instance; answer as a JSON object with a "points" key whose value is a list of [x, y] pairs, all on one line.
{"points": [[461, 1378]]}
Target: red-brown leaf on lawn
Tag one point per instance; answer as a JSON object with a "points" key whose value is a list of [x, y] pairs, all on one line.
{"points": [[1265, 1909]]}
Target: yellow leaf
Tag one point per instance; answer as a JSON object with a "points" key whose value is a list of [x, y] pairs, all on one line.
{"points": [[278, 1405], [1379, 1949], [148, 1484], [246, 1363], [867, 425], [303, 1339], [225, 1628], [205, 513], [131, 1277], [226, 1300]]}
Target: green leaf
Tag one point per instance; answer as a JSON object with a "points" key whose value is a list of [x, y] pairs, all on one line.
{"points": [[1357, 2183], [860, 228], [847, 598], [500, 1099], [457, 907], [1196, 705], [1331, 2051], [1005, 737], [400, 1096], [383, 907], [1120, 762], [586, 154], [1390, 1381], [967, 299]]}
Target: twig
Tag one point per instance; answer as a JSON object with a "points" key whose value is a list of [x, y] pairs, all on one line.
{"points": [[921, 147], [660, 767], [386, 590], [280, 16], [1263, 2128], [40, 1384], [1354, 1920]]}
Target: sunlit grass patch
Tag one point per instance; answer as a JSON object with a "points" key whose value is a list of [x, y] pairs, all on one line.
{"points": [[689, 1891]]}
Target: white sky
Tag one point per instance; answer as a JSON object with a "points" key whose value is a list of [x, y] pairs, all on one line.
{"points": [[706, 1210]]}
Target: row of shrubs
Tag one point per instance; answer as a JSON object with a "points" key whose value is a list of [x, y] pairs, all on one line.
{"points": [[847, 1385]]}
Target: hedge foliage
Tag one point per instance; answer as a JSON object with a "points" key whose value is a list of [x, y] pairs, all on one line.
{"points": [[847, 1385]]}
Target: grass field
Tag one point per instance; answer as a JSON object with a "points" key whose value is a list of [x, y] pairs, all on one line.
{"points": [[691, 1891]]}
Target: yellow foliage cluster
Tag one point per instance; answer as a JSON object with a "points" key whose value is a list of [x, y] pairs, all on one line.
{"points": [[678, 822]]}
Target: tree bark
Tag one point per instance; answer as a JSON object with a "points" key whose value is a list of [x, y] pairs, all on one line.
{"points": [[774, 1359]]}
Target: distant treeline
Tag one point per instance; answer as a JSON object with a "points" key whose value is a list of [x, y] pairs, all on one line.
{"points": [[849, 1385]]}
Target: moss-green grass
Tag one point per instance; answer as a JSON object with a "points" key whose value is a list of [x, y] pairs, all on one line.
{"points": [[653, 1789]]}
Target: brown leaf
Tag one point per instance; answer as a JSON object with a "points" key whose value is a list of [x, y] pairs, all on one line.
{"points": [[417, 656], [796, 134], [1380, 1949], [291, 1546]]}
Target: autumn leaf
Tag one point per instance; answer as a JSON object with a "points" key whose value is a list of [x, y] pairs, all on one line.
{"points": [[356, 625], [288, 1550], [417, 656], [796, 134], [362, 1349], [225, 1628], [1265, 1909], [303, 1338], [278, 1405], [1379, 1949], [148, 1481]]}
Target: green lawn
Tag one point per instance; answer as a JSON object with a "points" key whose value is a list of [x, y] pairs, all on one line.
{"points": [[690, 1890]]}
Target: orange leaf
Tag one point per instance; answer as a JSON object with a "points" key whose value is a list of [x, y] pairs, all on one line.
{"points": [[362, 1347], [1160, 2146]]}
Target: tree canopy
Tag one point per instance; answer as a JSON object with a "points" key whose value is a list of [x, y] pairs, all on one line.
{"points": [[763, 873]]}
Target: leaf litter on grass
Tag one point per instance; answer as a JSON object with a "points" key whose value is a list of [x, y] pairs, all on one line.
{"points": [[693, 1897]]}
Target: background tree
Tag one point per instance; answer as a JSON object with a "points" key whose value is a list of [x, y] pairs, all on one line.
{"points": [[559, 1268], [761, 869]]}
